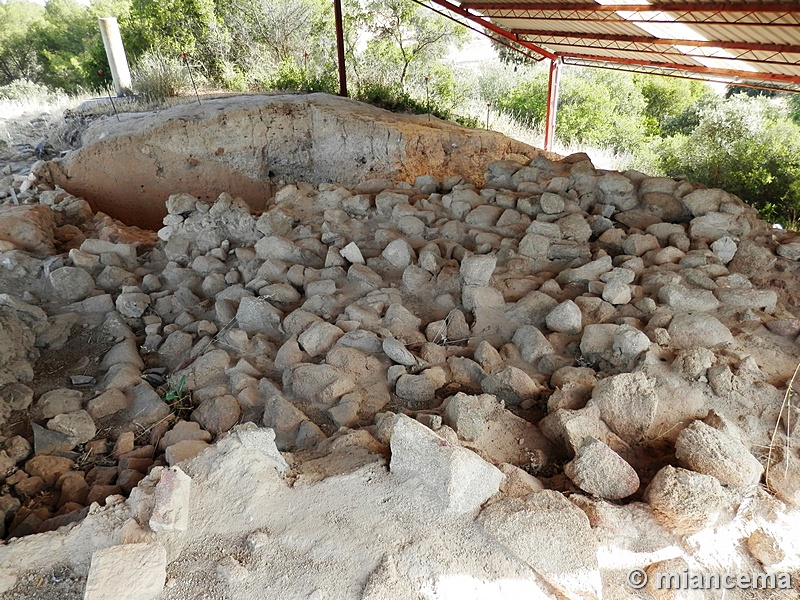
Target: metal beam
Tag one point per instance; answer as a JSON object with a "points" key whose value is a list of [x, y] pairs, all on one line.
{"points": [[560, 45], [763, 85], [337, 9], [552, 104], [722, 7], [493, 28], [645, 39], [480, 31], [794, 79], [709, 16]]}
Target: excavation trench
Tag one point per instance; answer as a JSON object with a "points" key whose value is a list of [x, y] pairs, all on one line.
{"points": [[249, 146]]}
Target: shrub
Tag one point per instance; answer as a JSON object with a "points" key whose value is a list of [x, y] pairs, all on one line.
{"points": [[24, 90], [745, 146], [158, 76], [596, 108], [293, 78]]}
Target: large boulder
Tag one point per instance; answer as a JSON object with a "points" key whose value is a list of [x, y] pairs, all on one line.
{"points": [[248, 145]]}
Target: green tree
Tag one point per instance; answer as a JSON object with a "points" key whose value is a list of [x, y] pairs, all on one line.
{"points": [[747, 146], [175, 27], [406, 35], [595, 107], [18, 48], [667, 99]]}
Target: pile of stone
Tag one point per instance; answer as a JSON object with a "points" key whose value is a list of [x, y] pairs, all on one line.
{"points": [[558, 327]]}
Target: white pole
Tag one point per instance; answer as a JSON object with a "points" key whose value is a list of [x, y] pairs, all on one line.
{"points": [[115, 52]]}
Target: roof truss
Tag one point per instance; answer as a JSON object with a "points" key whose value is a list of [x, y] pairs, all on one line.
{"points": [[723, 40]]}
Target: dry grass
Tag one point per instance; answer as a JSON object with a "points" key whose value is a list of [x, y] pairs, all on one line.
{"points": [[786, 407]]}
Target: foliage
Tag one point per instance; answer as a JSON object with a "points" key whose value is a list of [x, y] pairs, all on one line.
{"points": [[158, 76], [600, 108], [667, 100], [177, 397], [291, 77], [18, 55], [23, 90], [406, 37], [747, 147]]}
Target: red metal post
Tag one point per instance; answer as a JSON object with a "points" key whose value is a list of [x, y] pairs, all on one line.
{"points": [[552, 104], [337, 9]]}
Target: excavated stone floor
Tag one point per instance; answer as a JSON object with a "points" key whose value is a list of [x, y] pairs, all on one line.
{"points": [[525, 386]]}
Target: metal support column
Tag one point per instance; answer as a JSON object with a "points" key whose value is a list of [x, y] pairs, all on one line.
{"points": [[337, 8], [552, 104]]}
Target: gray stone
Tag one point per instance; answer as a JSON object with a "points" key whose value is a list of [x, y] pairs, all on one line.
{"points": [[558, 524], [790, 250], [58, 401], [627, 403], [474, 297], [725, 248], [629, 343], [684, 501], [638, 243], [16, 396], [217, 415], [551, 203], [617, 190], [598, 340], [256, 315], [589, 272], [532, 343], [352, 253], [565, 318], [109, 402], [704, 449], [146, 407], [748, 298], [617, 292], [512, 385], [319, 338], [46, 441], [396, 350], [534, 245], [415, 388], [127, 572], [468, 415], [363, 340], [132, 304], [78, 425], [600, 471], [460, 479], [320, 383], [179, 204], [477, 269], [702, 202], [399, 253], [71, 283], [126, 252], [681, 298], [689, 330], [172, 501]]}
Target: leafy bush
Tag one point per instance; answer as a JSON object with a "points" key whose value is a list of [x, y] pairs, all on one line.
{"points": [[293, 78], [24, 90], [598, 108], [396, 100], [157, 76], [746, 146]]}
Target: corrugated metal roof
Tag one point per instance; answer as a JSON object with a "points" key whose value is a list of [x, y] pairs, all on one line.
{"points": [[746, 42]]}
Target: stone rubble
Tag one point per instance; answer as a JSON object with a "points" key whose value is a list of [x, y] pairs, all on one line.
{"points": [[557, 329]]}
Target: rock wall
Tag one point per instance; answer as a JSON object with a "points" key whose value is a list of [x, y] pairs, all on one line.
{"points": [[246, 145]]}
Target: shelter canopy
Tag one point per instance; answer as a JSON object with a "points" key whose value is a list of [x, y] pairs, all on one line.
{"points": [[737, 42]]}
